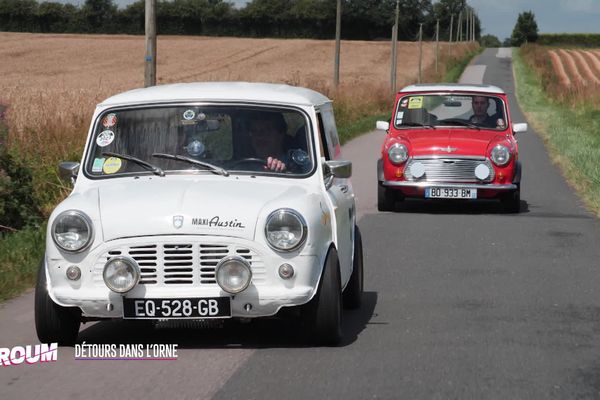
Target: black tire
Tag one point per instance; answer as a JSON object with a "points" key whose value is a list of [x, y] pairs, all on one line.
{"points": [[511, 202], [386, 199], [54, 323], [354, 288], [324, 312]]}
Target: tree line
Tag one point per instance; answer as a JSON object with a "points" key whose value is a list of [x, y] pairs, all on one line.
{"points": [[361, 19]]}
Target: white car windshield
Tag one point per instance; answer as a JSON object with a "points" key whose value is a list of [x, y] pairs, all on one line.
{"points": [[191, 138], [475, 111]]}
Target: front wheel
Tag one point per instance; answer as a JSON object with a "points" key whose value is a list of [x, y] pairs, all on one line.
{"points": [[54, 323], [324, 312], [511, 202], [354, 288], [386, 199]]}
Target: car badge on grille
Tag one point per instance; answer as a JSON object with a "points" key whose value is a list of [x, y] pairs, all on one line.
{"points": [[178, 221], [447, 149]]}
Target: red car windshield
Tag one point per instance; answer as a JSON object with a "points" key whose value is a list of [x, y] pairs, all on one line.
{"points": [[451, 110]]}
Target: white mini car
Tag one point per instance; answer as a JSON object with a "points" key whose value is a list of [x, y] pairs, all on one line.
{"points": [[204, 200]]}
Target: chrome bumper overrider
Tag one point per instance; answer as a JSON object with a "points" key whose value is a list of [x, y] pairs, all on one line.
{"points": [[510, 186]]}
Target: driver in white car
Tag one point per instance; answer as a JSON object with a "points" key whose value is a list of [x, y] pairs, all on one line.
{"points": [[267, 134]]}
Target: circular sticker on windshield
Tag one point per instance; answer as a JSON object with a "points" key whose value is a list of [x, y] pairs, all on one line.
{"points": [[109, 121], [112, 165], [189, 115], [105, 138], [500, 123]]}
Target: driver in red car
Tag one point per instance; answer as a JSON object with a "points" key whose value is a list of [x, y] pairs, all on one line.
{"points": [[480, 116]]}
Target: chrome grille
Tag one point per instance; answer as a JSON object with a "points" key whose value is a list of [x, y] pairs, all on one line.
{"points": [[181, 263], [449, 170]]}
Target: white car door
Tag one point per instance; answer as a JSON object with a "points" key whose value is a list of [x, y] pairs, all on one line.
{"points": [[341, 195]]}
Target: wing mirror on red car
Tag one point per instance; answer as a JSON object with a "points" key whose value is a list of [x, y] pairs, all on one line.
{"points": [[382, 125], [520, 128]]}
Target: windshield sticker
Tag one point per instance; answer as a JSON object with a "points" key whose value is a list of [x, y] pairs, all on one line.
{"points": [[201, 116], [98, 163], [109, 121], [415, 102], [500, 123], [404, 103], [112, 165], [189, 115], [400, 115], [105, 138]]}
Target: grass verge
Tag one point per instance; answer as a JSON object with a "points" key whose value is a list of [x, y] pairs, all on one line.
{"points": [[570, 134], [20, 254]]}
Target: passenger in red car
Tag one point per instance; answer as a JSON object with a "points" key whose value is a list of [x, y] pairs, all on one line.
{"points": [[480, 116]]}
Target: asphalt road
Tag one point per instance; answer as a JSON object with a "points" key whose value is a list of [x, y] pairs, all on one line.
{"points": [[461, 302]]}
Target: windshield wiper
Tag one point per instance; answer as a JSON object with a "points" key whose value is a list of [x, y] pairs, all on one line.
{"points": [[155, 170], [212, 168], [417, 124], [461, 122]]}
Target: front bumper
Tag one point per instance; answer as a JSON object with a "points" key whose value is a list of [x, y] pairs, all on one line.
{"points": [[267, 292]]}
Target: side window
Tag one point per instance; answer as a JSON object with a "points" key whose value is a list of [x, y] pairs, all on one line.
{"points": [[331, 135]]}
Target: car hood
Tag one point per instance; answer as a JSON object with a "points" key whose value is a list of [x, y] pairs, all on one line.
{"points": [[451, 142], [160, 206]]}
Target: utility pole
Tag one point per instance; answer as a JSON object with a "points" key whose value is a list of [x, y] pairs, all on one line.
{"points": [[338, 30], [450, 36], [420, 52], [459, 27], [468, 28], [150, 60], [437, 45], [473, 25], [395, 49]]}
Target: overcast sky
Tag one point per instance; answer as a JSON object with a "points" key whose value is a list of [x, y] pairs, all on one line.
{"points": [[498, 17]]}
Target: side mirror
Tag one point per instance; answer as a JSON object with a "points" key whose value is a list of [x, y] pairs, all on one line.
{"points": [[520, 128], [336, 169], [382, 125], [68, 171]]}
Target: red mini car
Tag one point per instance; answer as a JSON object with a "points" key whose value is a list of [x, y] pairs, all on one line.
{"points": [[450, 141]]}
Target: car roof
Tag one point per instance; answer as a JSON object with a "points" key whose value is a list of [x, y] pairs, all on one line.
{"points": [[452, 87], [219, 91]]}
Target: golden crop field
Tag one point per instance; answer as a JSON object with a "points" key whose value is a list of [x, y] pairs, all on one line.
{"points": [[51, 82]]}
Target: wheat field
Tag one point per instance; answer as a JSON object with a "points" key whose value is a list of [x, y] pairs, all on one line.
{"points": [[51, 83]]}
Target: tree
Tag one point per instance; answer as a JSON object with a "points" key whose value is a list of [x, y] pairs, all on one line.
{"points": [[525, 30], [490, 41]]}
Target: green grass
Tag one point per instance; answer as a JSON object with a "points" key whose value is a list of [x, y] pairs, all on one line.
{"points": [[571, 134], [20, 255]]}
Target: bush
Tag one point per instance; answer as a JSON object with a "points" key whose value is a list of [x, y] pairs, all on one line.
{"points": [[18, 208]]}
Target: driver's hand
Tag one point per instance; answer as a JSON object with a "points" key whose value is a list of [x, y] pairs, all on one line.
{"points": [[276, 165]]}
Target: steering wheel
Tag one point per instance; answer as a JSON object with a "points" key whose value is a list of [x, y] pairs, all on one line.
{"points": [[249, 160]]}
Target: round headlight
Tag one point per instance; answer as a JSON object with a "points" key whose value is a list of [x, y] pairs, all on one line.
{"points": [[500, 155], [121, 274], [398, 153], [233, 274], [72, 231], [285, 230]]}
